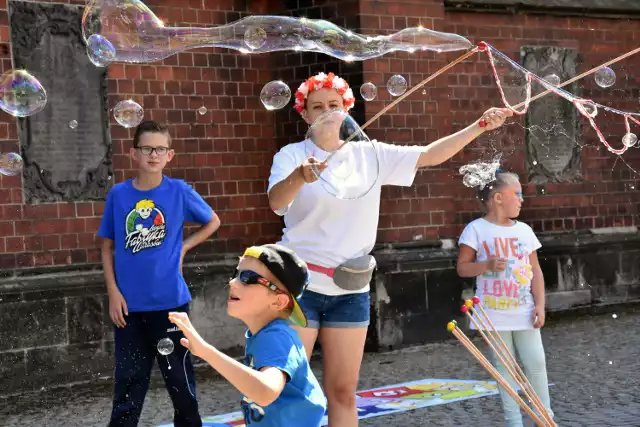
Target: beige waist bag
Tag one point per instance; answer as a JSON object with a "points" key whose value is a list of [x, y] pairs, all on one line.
{"points": [[355, 274]]}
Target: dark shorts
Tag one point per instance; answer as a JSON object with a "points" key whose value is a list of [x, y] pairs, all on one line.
{"points": [[336, 311]]}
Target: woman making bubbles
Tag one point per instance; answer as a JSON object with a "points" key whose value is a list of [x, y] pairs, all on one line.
{"points": [[334, 236]]}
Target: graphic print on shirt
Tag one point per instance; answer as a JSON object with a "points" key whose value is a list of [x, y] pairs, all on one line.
{"points": [[509, 289], [253, 413], [146, 226]]}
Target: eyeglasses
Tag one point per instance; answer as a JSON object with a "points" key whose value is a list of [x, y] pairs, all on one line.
{"points": [[161, 151], [248, 277]]}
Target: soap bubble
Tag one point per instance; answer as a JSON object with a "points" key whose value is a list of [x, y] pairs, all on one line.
{"points": [[138, 35], [10, 164], [100, 50], [480, 174], [21, 94], [368, 91], [605, 77], [615, 316], [255, 37], [73, 124], [397, 85], [128, 113], [553, 80], [202, 110], [165, 346], [351, 157], [275, 95], [629, 140]]}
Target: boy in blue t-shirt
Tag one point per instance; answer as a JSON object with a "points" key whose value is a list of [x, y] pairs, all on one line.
{"points": [[277, 383], [142, 224]]}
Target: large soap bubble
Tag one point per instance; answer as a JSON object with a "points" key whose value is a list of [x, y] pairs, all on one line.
{"points": [[21, 94], [351, 157], [275, 95], [138, 35], [10, 164], [128, 113]]}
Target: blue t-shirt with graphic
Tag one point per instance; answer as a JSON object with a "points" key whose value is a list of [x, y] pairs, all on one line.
{"points": [[302, 402], [146, 228]]}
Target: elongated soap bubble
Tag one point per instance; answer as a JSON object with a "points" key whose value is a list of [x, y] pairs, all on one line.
{"points": [[10, 164], [138, 35], [21, 94], [351, 157]]}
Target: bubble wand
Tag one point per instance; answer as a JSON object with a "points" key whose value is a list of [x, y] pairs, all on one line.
{"points": [[508, 361], [453, 328]]}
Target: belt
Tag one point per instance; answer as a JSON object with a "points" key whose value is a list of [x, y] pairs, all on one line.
{"points": [[324, 270]]}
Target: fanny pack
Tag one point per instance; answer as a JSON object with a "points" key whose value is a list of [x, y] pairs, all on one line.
{"points": [[352, 275]]}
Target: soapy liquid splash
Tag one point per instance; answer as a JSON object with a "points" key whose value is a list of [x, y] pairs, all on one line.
{"points": [[137, 35]]}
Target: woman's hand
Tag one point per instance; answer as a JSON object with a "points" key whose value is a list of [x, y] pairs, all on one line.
{"points": [[306, 169], [192, 340], [493, 118]]}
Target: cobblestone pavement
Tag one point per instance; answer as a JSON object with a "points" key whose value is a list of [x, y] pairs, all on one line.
{"points": [[593, 362]]}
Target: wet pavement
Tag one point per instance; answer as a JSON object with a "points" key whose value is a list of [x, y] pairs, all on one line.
{"points": [[592, 360]]}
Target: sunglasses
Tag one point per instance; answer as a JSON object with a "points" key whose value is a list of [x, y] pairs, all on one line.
{"points": [[248, 277]]}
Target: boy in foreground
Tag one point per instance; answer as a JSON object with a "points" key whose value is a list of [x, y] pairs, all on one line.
{"points": [[276, 381], [142, 223]]}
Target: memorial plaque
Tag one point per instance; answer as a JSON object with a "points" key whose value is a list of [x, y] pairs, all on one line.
{"points": [[551, 124], [66, 147]]}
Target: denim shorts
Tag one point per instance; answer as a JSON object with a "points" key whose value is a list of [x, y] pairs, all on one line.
{"points": [[336, 311]]}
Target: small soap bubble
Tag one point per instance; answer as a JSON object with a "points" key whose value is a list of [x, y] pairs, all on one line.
{"points": [[100, 51], [275, 95], [21, 94], [165, 346], [255, 37], [535, 162], [605, 77], [128, 113], [629, 140], [368, 91], [610, 362], [615, 316], [10, 164], [202, 110], [553, 79], [424, 91], [73, 124], [590, 108], [397, 85]]}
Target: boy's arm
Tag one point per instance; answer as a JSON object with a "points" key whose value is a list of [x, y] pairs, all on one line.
{"points": [[202, 234], [262, 387], [117, 304]]}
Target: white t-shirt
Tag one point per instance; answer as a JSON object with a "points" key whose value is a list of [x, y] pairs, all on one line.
{"points": [[326, 231], [505, 296]]}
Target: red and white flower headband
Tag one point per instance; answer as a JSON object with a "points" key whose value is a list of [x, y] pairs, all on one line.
{"points": [[322, 80]]}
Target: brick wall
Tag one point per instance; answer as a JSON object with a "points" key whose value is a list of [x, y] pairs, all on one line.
{"points": [[226, 153]]}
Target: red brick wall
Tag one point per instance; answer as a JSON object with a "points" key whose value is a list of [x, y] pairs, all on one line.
{"points": [[227, 152]]}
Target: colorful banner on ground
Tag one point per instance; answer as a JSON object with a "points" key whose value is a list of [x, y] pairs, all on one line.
{"points": [[391, 399]]}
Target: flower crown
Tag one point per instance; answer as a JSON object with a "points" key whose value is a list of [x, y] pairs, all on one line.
{"points": [[322, 80]]}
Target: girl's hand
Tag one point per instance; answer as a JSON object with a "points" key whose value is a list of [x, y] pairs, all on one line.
{"points": [[538, 317], [497, 265], [192, 340], [306, 169], [493, 118]]}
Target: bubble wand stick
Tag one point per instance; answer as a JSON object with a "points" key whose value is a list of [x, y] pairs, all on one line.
{"points": [[453, 328], [509, 362]]}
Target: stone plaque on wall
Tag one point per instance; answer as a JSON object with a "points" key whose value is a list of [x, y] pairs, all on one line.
{"points": [[551, 124], [67, 146]]}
